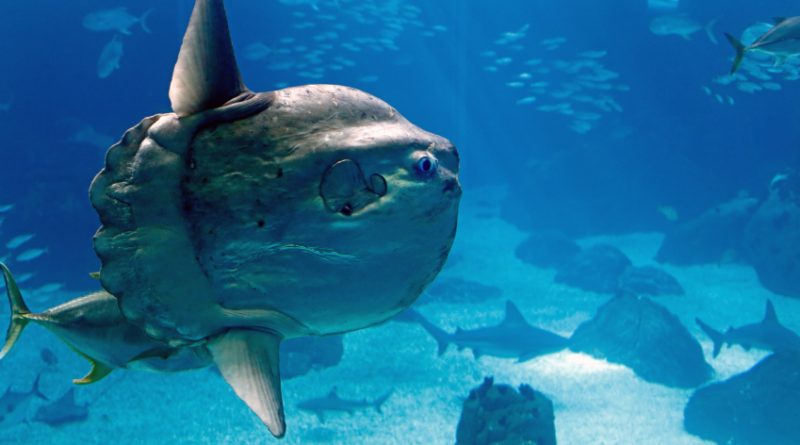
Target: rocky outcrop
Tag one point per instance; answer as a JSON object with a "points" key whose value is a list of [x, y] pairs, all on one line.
{"points": [[595, 269], [709, 237], [301, 355], [548, 248], [757, 407], [649, 281], [459, 290], [499, 414], [772, 238], [646, 337]]}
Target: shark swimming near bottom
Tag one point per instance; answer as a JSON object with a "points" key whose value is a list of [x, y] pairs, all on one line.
{"points": [[512, 338], [320, 406], [62, 411], [767, 334], [11, 399]]}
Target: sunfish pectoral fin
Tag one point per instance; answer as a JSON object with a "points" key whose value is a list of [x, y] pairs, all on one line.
{"points": [[206, 75], [248, 360]]}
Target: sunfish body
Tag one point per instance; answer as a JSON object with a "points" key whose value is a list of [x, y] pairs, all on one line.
{"points": [[241, 219], [512, 338], [332, 403], [94, 327], [768, 334], [781, 41], [116, 19]]}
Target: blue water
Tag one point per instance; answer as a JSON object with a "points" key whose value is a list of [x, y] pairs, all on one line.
{"points": [[658, 131]]}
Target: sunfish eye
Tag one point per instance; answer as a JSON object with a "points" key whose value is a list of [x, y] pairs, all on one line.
{"points": [[426, 166]]}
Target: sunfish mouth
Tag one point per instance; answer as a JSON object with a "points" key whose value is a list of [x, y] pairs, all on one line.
{"points": [[451, 186]]}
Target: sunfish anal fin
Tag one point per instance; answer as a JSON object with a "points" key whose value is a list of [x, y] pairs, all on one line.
{"points": [[206, 75], [248, 360]]}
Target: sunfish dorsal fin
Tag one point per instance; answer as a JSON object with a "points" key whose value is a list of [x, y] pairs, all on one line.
{"points": [[333, 394], [248, 360], [513, 315], [206, 75], [769, 313]]}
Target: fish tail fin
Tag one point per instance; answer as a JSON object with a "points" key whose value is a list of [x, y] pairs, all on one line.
{"points": [[740, 50], [717, 337], [143, 21], [35, 388], [19, 312], [442, 338], [411, 316], [378, 403], [709, 28]]}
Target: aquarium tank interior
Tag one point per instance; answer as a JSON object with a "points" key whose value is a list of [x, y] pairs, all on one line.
{"points": [[402, 222]]}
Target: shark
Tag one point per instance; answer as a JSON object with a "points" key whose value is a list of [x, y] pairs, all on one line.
{"points": [[11, 399], [320, 406], [767, 334], [514, 337], [62, 411]]}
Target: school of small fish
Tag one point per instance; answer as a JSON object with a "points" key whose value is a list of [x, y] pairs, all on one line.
{"points": [[119, 21], [758, 72], [577, 86], [20, 250], [338, 35]]}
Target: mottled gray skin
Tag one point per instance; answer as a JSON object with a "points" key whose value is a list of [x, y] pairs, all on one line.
{"points": [[217, 220]]}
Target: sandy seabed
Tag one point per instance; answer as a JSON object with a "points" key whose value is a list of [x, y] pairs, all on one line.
{"points": [[595, 402]]}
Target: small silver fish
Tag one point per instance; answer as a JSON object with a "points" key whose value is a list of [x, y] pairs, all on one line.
{"points": [[89, 136], [31, 254], [256, 51], [109, 58], [19, 240], [6, 106], [49, 287], [682, 26], [117, 19]]}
